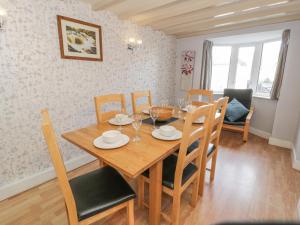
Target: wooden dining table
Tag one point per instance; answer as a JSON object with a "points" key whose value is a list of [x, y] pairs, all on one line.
{"points": [[132, 159]]}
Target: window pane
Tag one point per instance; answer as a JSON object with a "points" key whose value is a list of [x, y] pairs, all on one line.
{"points": [[268, 66], [244, 67], [220, 67]]}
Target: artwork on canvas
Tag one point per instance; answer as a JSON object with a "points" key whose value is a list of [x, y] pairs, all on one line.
{"points": [[187, 69], [79, 40]]}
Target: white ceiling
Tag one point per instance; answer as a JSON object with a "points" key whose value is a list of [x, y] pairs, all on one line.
{"points": [[184, 18]]}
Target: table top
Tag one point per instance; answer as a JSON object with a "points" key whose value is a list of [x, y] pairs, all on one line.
{"points": [[131, 159]]}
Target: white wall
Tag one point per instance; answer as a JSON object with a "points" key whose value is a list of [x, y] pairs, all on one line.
{"points": [[297, 142], [278, 121], [33, 76], [288, 108]]}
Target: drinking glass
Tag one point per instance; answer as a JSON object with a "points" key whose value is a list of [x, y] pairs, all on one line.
{"points": [[181, 104], [136, 124], [154, 114], [188, 101], [118, 120]]}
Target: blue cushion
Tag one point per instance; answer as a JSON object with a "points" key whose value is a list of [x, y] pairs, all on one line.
{"points": [[235, 110]]}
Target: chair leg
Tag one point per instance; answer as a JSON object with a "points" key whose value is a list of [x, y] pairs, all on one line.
{"points": [[176, 208], [141, 192], [195, 191], [202, 177], [213, 167], [246, 132], [130, 212]]}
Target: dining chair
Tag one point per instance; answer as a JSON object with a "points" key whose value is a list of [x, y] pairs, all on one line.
{"points": [[200, 93], [92, 196], [138, 95], [105, 99], [212, 147], [179, 172]]}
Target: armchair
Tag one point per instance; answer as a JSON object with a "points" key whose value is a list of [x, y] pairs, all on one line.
{"points": [[244, 96]]}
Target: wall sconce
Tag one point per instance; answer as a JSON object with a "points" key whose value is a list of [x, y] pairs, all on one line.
{"points": [[2, 18], [134, 44]]}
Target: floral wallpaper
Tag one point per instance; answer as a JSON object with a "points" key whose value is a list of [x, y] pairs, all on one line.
{"points": [[33, 76]]}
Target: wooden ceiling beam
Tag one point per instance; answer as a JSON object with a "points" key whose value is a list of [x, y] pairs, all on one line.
{"points": [[210, 12], [102, 4], [212, 22], [240, 26], [130, 8], [175, 9]]}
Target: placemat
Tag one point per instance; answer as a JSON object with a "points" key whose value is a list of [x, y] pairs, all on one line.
{"points": [[159, 123]]}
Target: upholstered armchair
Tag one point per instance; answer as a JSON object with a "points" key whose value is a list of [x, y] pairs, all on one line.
{"points": [[242, 125]]}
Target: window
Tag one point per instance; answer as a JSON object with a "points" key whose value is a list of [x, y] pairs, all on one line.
{"points": [[268, 66], [243, 66], [220, 68]]}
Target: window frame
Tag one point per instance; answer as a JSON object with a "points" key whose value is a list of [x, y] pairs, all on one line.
{"points": [[256, 64]]}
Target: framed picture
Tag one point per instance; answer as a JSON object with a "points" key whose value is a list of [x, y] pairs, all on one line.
{"points": [[187, 69], [79, 40]]}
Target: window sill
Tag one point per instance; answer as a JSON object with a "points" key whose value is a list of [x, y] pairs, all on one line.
{"points": [[254, 96]]}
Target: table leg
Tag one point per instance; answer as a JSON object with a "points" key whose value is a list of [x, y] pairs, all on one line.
{"points": [[155, 193]]}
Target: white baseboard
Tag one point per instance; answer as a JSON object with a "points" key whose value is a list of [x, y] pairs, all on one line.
{"points": [[259, 133], [298, 209], [295, 163], [280, 143], [41, 177]]}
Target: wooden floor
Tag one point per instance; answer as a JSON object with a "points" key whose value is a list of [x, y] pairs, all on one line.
{"points": [[254, 181]]}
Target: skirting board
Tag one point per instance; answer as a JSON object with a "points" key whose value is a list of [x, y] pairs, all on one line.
{"points": [[296, 165], [298, 208], [280, 143], [259, 133], [41, 177]]}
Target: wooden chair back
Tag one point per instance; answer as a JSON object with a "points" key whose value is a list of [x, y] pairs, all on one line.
{"points": [[137, 95], [59, 167], [191, 133], [104, 99], [200, 92], [216, 126]]}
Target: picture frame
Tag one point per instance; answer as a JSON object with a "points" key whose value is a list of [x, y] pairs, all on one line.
{"points": [[187, 69], [79, 40]]}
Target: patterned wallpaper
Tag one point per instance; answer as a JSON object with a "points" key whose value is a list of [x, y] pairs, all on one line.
{"points": [[33, 76]]}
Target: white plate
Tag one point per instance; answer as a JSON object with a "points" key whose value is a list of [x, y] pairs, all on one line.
{"points": [[184, 109], [114, 121], [99, 143], [146, 111], [201, 119], [158, 135]]}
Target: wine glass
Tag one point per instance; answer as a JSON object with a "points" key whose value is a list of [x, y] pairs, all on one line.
{"points": [[136, 124], [154, 114], [181, 104], [118, 119], [188, 101]]}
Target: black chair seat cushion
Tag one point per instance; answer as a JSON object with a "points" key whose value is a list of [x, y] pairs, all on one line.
{"points": [[169, 167], [240, 122], [98, 191], [194, 145]]}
